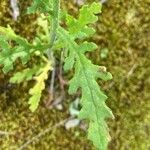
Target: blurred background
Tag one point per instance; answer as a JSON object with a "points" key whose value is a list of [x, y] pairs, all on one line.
{"points": [[123, 37]]}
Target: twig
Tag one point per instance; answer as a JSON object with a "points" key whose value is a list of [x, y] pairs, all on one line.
{"points": [[52, 82], [36, 137], [131, 70], [53, 75], [122, 81], [60, 76], [59, 99], [15, 9], [6, 133], [103, 1]]}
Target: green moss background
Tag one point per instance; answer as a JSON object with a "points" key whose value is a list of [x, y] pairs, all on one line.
{"points": [[124, 30]]}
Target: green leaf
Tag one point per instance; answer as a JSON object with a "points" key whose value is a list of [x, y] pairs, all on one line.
{"points": [[36, 91], [87, 13], [44, 6], [93, 99], [79, 27], [21, 48], [69, 61], [43, 29], [105, 75], [25, 75], [8, 33], [87, 47], [8, 53], [8, 57]]}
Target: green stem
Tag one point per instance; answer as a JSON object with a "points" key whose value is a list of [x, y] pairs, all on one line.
{"points": [[54, 24]]}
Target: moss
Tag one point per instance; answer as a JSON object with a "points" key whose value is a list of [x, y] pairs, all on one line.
{"points": [[25, 25], [123, 29]]}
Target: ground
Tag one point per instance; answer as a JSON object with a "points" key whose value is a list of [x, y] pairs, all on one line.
{"points": [[124, 30]]}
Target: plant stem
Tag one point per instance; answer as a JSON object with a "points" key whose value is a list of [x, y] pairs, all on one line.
{"points": [[54, 24], [53, 33]]}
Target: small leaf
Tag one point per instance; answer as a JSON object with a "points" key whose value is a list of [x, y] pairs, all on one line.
{"points": [[87, 46], [93, 99], [105, 76], [21, 49], [79, 28], [87, 14], [25, 75], [36, 91]]}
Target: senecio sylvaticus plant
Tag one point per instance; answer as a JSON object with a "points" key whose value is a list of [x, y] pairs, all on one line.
{"points": [[61, 32]]}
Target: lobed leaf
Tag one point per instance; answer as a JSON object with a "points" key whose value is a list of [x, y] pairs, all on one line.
{"points": [[36, 91], [93, 99], [25, 75], [20, 48], [44, 6], [79, 27], [8, 57]]}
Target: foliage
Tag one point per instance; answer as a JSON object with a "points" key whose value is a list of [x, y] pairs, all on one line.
{"points": [[44, 6], [9, 54], [25, 75], [93, 101], [72, 39], [13, 47], [36, 91]]}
